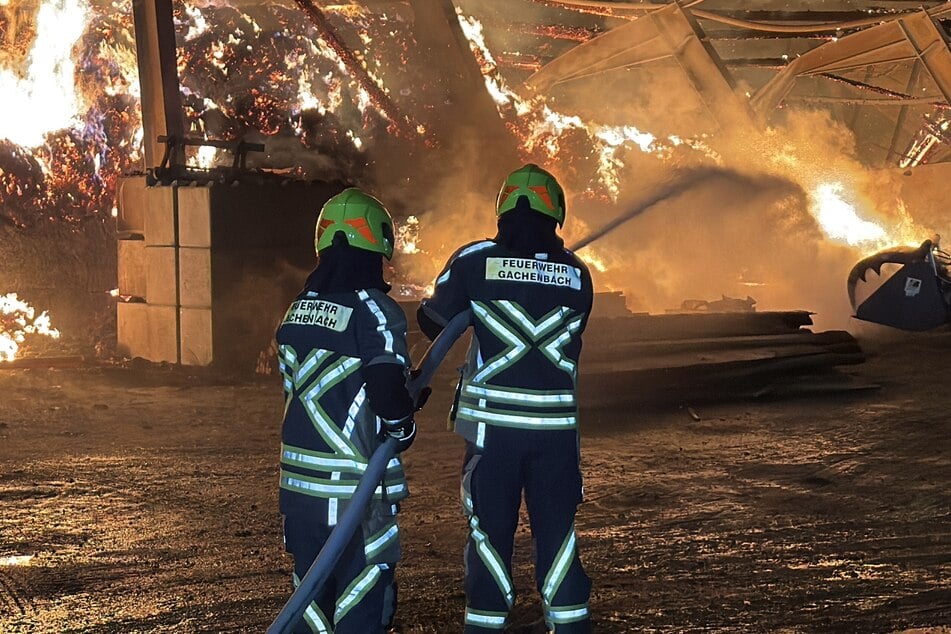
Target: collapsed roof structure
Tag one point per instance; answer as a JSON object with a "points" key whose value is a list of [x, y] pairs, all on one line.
{"points": [[883, 68]]}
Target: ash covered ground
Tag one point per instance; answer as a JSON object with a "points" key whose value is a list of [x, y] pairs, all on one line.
{"points": [[144, 500]]}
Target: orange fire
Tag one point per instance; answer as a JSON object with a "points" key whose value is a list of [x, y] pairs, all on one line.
{"points": [[18, 321], [285, 83], [40, 93], [543, 130], [840, 220]]}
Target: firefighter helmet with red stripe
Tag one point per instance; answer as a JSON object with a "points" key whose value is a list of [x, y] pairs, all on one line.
{"points": [[362, 218], [541, 189]]}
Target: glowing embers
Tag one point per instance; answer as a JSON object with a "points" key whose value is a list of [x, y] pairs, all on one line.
{"points": [[407, 235], [274, 81], [542, 129], [350, 10], [40, 93], [17, 321]]}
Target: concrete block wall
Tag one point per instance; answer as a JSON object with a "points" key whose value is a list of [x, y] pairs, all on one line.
{"points": [[210, 268], [147, 325]]}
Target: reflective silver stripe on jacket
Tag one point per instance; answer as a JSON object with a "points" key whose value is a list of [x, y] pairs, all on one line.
{"points": [[324, 488], [472, 248], [333, 374], [319, 461], [523, 420], [383, 327], [520, 396]]}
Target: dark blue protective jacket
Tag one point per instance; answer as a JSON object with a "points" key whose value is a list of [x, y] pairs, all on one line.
{"points": [[529, 310], [325, 344]]}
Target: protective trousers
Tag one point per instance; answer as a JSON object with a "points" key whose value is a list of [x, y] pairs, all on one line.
{"points": [[357, 598], [545, 464]]}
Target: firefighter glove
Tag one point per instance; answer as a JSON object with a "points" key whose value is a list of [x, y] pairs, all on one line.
{"points": [[402, 429]]}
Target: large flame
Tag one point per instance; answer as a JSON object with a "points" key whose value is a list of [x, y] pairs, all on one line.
{"points": [[832, 203], [41, 97], [840, 220], [18, 320], [542, 129]]}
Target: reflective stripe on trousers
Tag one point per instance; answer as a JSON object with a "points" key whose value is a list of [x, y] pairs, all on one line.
{"points": [[358, 598], [545, 465]]}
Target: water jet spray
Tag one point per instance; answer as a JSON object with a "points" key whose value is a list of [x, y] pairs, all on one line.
{"points": [[685, 182]]}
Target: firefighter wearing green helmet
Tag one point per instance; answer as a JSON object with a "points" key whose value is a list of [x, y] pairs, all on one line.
{"points": [[540, 190], [516, 401], [364, 221], [344, 363]]}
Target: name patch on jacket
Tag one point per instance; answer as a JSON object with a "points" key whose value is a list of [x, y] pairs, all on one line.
{"points": [[314, 312], [536, 271]]}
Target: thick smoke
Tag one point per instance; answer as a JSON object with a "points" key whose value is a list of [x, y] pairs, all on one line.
{"points": [[736, 210], [715, 232], [747, 227]]}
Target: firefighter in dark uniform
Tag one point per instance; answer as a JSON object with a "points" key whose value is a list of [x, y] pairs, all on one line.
{"points": [[516, 406], [344, 363]]}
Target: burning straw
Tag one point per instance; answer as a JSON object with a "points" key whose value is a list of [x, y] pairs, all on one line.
{"points": [[17, 321]]}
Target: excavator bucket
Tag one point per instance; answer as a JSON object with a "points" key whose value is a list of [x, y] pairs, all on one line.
{"points": [[913, 298]]}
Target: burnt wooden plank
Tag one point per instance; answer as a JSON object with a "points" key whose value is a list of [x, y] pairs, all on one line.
{"points": [[837, 340], [696, 325]]}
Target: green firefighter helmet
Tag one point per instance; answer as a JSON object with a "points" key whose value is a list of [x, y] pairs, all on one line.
{"points": [[542, 190], [362, 218]]}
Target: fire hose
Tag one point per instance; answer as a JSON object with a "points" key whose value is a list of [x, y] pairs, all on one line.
{"points": [[687, 180], [343, 532]]}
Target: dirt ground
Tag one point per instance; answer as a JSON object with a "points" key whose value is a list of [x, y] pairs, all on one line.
{"points": [[143, 499]]}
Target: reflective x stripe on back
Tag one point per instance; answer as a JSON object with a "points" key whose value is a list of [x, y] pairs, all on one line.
{"points": [[520, 332]]}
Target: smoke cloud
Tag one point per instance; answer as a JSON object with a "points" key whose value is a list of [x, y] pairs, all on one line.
{"points": [[711, 212]]}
